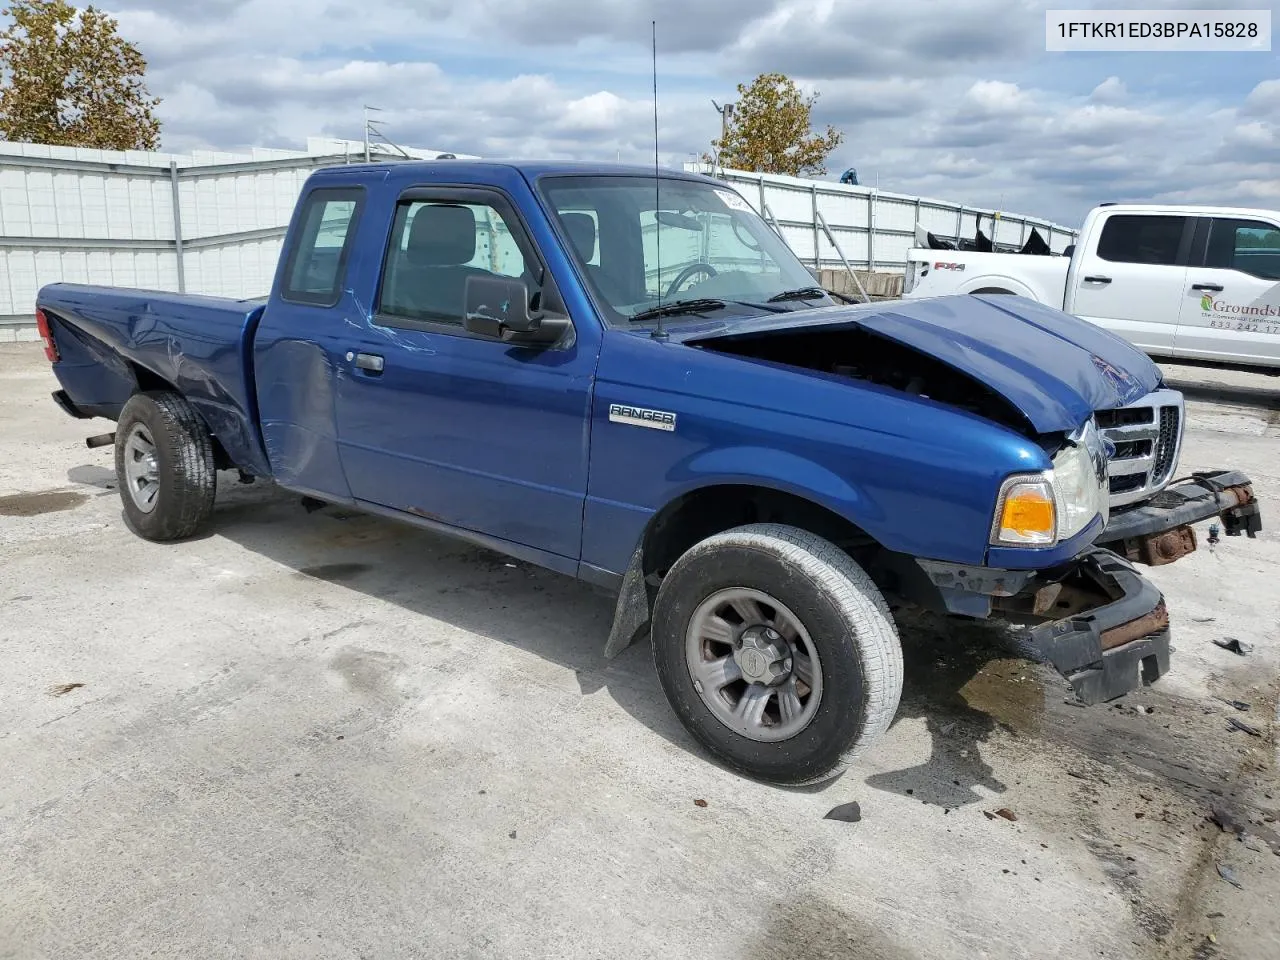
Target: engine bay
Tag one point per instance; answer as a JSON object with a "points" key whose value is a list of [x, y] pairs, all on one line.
{"points": [[857, 354]]}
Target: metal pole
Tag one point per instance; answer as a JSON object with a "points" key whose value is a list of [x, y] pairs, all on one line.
{"points": [[871, 231], [177, 225], [959, 223], [817, 260], [866, 298]]}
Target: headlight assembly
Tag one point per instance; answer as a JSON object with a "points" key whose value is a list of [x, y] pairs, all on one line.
{"points": [[1042, 509]]}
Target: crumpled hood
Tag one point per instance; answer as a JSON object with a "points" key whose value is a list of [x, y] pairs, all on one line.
{"points": [[1055, 368]]}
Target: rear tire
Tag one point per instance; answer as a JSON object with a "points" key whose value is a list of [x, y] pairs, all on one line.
{"points": [[164, 466], [739, 689]]}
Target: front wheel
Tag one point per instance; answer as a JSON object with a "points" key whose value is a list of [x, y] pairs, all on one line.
{"points": [[164, 466], [777, 652]]}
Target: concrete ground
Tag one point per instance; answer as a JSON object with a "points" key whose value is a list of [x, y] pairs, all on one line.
{"points": [[326, 735]]}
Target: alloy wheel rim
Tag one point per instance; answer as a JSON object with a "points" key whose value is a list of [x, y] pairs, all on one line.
{"points": [[753, 664]]}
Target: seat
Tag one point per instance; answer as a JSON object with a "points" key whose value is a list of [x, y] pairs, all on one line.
{"points": [[581, 228], [431, 278]]}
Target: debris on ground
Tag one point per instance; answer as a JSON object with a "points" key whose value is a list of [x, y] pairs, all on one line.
{"points": [[1228, 873], [1203, 619], [62, 689], [1237, 724], [1235, 645], [699, 802], [1003, 812], [1143, 710], [847, 812], [1226, 821], [1238, 704]]}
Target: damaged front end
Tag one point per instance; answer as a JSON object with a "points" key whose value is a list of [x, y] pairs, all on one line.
{"points": [[1105, 626], [1097, 619]]}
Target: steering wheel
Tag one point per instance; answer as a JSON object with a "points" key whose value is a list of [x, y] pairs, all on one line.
{"points": [[746, 241], [686, 273]]}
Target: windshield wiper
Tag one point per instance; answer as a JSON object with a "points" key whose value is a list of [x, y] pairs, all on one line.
{"points": [[803, 293], [700, 305], [677, 307]]}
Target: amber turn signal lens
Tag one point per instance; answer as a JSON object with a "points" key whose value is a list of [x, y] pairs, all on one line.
{"points": [[1027, 515]]}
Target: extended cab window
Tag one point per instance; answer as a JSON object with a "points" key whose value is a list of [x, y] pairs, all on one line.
{"points": [[1142, 239], [435, 247], [318, 259], [1249, 246]]}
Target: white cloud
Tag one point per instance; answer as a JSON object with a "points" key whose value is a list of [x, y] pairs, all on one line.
{"points": [[1110, 90], [951, 100]]}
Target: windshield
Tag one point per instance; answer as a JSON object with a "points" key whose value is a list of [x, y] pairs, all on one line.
{"points": [[642, 242]]}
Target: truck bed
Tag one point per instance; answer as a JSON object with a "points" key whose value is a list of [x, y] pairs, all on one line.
{"points": [[114, 341], [938, 273]]}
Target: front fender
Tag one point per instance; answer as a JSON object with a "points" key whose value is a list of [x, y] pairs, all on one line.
{"points": [[777, 470], [745, 466], [995, 281]]}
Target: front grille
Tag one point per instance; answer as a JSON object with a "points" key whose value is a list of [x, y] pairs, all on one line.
{"points": [[1146, 436], [1132, 448], [1167, 444], [1124, 417], [1125, 484]]}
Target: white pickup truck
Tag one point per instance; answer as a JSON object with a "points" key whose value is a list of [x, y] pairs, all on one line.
{"points": [[1177, 281]]}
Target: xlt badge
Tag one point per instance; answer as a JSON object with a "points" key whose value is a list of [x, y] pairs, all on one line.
{"points": [[641, 417]]}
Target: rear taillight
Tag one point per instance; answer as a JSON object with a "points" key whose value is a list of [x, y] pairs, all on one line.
{"points": [[46, 334], [912, 276]]}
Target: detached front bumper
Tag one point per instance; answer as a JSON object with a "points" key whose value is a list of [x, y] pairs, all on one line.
{"points": [[1159, 531], [1105, 649]]}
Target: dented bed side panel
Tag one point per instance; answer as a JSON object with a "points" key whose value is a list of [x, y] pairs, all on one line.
{"points": [[117, 339]]}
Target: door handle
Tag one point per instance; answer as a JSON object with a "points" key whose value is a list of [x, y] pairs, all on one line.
{"points": [[369, 362], [1214, 287], [1097, 279]]}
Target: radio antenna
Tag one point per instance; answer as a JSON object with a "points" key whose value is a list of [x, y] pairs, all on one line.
{"points": [[659, 333]]}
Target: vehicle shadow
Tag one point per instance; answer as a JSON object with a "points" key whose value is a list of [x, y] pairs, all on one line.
{"points": [[566, 622]]}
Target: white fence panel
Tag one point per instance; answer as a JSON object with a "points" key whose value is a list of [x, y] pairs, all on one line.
{"points": [[874, 229], [207, 223]]}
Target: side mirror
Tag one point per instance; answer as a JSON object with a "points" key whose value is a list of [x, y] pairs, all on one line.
{"points": [[498, 308], [494, 305]]}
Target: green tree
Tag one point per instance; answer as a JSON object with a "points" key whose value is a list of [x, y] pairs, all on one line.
{"points": [[770, 130], [68, 78]]}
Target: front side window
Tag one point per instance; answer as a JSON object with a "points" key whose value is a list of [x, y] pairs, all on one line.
{"points": [[435, 246], [1141, 239], [641, 243], [317, 262], [1250, 246]]}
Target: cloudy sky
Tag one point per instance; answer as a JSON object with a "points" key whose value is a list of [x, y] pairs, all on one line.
{"points": [[956, 100]]}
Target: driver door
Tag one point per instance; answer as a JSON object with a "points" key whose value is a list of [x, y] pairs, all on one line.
{"points": [[442, 424]]}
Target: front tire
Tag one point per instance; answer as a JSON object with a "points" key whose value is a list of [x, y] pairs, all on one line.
{"points": [[777, 652], [164, 466]]}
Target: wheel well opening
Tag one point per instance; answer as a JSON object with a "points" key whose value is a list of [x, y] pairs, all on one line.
{"points": [[148, 382], [711, 510], [991, 290]]}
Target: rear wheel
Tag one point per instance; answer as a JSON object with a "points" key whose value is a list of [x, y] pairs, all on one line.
{"points": [[777, 652], [164, 466]]}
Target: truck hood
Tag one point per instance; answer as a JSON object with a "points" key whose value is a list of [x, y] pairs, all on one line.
{"points": [[1055, 369]]}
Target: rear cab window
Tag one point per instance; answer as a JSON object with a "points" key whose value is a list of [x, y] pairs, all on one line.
{"points": [[1138, 238], [322, 241], [1249, 246]]}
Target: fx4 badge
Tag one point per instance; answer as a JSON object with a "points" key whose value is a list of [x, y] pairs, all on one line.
{"points": [[640, 417]]}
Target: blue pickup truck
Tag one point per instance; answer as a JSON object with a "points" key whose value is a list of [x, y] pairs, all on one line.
{"points": [[627, 377]]}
